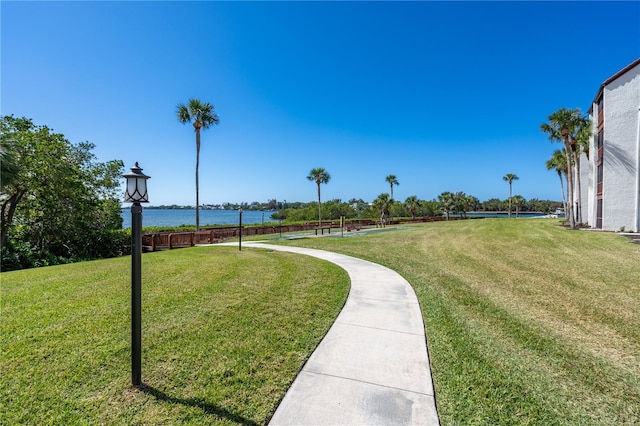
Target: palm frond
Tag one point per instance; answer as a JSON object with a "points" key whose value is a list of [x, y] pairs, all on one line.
{"points": [[392, 180], [183, 113], [510, 177], [558, 161], [319, 175], [199, 112]]}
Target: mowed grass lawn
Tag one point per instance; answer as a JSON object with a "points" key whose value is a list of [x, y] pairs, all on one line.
{"points": [[527, 322], [224, 335]]}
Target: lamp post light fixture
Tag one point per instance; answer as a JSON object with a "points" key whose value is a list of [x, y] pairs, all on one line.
{"points": [[136, 193], [240, 229]]}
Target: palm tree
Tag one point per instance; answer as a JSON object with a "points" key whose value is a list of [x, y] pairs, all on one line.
{"points": [[319, 176], [518, 201], [202, 116], [412, 204], [382, 203], [465, 203], [568, 126], [510, 177], [580, 145], [558, 162], [392, 180], [447, 201]]}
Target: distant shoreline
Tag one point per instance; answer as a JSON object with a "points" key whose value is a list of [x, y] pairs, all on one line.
{"points": [[247, 208], [208, 217]]}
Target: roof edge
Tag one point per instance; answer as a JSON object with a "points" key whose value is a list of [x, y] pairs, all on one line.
{"points": [[622, 71], [611, 79]]}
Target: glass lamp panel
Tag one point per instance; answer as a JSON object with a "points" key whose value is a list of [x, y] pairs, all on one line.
{"points": [[141, 185], [136, 190], [130, 196]]}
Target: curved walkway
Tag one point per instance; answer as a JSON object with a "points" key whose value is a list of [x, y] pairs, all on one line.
{"points": [[372, 367]]}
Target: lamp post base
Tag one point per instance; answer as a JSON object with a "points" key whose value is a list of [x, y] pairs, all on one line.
{"points": [[136, 294]]}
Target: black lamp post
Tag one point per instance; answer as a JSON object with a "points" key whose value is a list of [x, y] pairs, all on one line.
{"points": [[136, 193], [240, 230]]}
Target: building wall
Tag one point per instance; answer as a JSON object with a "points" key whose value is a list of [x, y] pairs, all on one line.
{"points": [[589, 205], [621, 153], [584, 196]]}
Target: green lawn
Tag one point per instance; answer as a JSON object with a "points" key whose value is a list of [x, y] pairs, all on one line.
{"points": [[527, 322], [224, 334]]}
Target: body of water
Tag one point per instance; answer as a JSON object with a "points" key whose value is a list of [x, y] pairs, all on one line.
{"points": [[177, 217]]}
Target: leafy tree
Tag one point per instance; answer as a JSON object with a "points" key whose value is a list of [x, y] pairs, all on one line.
{"points": [[493, 205], [429, 208], [536, 205], [295, 214], [358, 204], [333, 209], [412, 204], [8, 164], [61, 204], [202, 116], [271, 205], [510, 177], [558, 162], [569, 127], [392, 180], [319, 176]]}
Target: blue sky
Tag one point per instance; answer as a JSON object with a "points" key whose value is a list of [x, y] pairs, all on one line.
{"points": [[448, 96]]}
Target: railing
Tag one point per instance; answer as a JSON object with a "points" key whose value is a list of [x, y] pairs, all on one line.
{"points": [[173, 240]]}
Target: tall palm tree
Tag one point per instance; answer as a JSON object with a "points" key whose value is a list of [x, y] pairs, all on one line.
{"points": [[319, 176], [412, 204], [567, 126], [392, 180], [202, 116], [510, 177], [558, 162], [581, 145]]}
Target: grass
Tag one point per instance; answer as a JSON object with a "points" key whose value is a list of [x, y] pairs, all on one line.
{"points": [[224, 334], [527, 323]]}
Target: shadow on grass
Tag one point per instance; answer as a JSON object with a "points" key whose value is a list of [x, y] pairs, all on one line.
{"points": [[198, 403]]}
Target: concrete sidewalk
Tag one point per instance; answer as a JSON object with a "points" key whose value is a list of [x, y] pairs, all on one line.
{"points": [[372, 367]]}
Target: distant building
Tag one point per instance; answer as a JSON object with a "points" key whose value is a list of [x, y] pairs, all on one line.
{"points": [[613, 193]]}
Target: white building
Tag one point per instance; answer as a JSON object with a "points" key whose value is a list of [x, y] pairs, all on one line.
{"points": [[613, 193]]}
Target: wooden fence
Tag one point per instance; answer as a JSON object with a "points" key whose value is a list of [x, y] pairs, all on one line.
{"points": [[172, 240]]}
